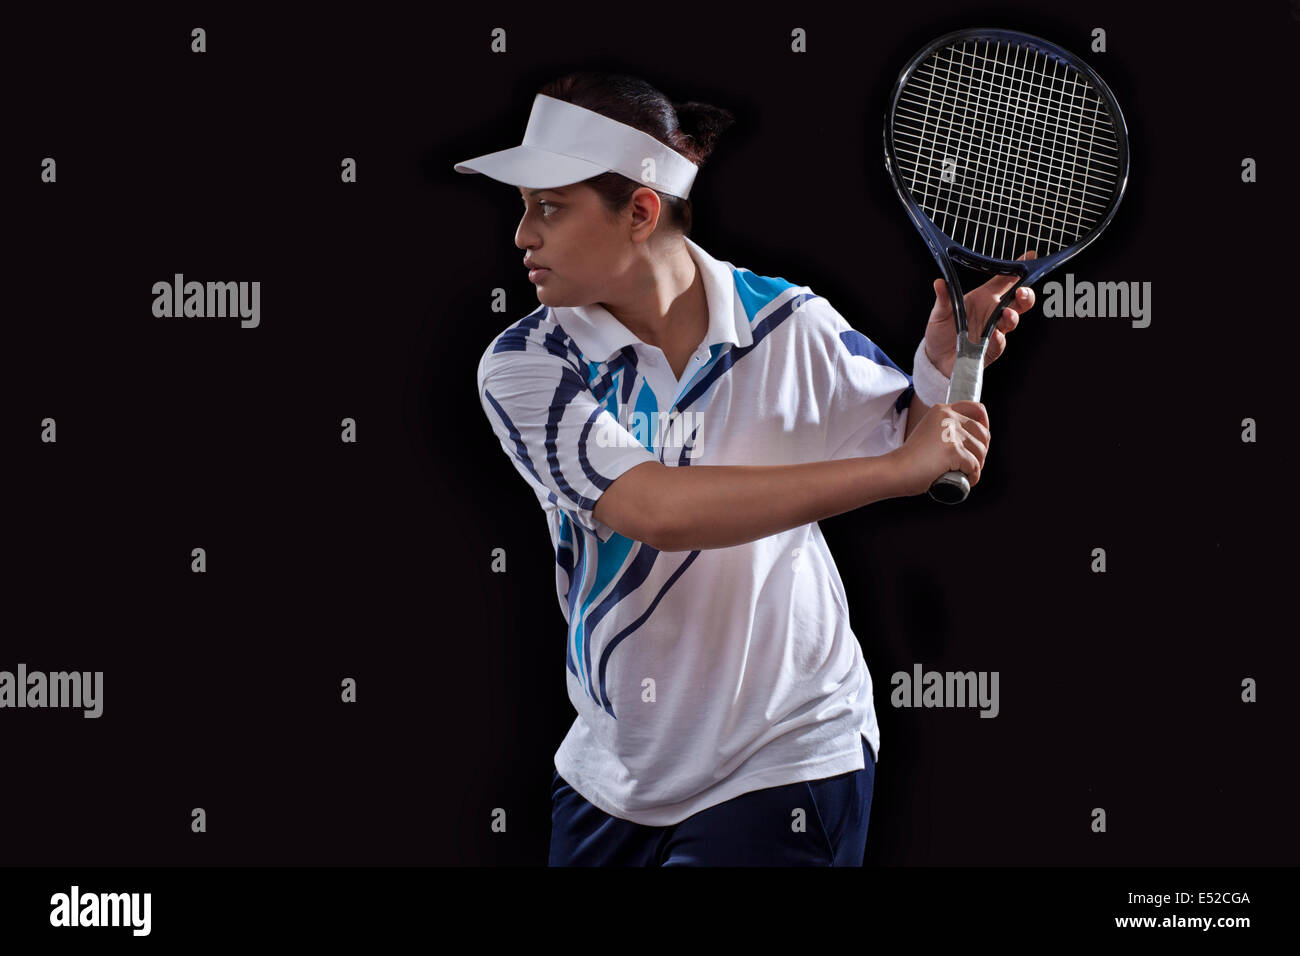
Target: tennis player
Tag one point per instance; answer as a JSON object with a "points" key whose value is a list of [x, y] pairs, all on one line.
{"points": [[685, 423]]}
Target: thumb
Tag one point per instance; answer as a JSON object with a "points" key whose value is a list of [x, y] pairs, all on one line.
{"points": [[942, 302], [940, 288]]}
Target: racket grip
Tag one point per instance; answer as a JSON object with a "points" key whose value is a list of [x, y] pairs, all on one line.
{"points": [[952, 487]]}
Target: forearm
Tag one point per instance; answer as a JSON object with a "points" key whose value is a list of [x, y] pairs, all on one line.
{"points": [[720, 506]]}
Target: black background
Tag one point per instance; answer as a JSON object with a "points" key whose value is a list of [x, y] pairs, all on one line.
{"points": [[221, 690]]}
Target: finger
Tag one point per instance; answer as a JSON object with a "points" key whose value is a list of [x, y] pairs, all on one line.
{"points": [[999, 286], [1010, 319], [942, 300], [968, 465], [1025, 298], [997, 345], [996, 288], [967, 451], [971, 443], [982, 318], [976, 448], [975, 410], [997, 341], [976, 430]]}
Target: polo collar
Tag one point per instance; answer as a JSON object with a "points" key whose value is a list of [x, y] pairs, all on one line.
{"points": [[600, 336]]}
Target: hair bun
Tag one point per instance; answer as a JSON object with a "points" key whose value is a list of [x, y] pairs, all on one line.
{"points": [[701, 124]]}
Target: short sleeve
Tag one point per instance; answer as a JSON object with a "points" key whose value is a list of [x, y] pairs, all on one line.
{"points": [[869, 394], [564, 443]]}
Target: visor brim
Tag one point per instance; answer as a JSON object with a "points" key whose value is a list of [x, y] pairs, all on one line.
{"points": [[531, 168]]}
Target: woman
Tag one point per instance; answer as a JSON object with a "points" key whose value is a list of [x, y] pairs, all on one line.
{"points": [[685, 423]]}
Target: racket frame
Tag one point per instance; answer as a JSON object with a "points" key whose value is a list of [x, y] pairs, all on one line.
{"points": [[968, 364]]}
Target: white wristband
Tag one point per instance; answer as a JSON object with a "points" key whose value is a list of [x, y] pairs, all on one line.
{"points": [[931, 385]]}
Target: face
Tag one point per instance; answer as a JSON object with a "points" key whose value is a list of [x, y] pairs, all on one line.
{"points": [[586, 251]]}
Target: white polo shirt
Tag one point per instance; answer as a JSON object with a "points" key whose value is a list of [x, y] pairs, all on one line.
{"points": [[697, 675]]}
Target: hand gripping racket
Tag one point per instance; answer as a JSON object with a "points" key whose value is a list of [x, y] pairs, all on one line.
{"points": [[998, 143]]}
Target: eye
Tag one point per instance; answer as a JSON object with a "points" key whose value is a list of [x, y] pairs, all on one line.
{"points": [[547, 207]]}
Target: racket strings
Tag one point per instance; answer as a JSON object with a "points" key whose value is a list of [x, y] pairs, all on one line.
{"points": [[1001, 185], [1006, 149]]}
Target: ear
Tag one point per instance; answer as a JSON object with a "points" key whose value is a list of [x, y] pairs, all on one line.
{"points": [[646, 208]]}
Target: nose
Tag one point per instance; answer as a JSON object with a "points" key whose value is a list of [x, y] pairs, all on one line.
{"points": [[525, 236]]}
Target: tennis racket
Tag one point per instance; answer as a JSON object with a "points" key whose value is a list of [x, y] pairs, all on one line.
{"points": [[998, 143]]}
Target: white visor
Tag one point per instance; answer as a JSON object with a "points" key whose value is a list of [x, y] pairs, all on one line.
{"points": [[565, 144]]}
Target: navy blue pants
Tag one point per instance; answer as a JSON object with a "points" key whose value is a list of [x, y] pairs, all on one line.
{"points": [[759, 828]]}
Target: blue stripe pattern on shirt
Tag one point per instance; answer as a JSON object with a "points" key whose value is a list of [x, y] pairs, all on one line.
{"points": [[859, 344]]}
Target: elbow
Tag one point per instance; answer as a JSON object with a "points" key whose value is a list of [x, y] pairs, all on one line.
{"points": [[654, 531], [662, 536], [673, 531], [669, 530], [637, 505]]}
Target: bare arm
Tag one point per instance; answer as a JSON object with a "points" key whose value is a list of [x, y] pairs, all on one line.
{"points": [[719, 506]]}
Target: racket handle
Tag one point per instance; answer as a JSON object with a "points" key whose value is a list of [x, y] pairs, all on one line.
{"points": [[952, 487]]}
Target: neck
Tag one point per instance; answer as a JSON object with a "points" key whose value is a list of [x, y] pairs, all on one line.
{"points": [[666, 302]]}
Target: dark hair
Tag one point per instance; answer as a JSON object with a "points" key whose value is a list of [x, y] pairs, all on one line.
{"points": [[690, 128]]}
